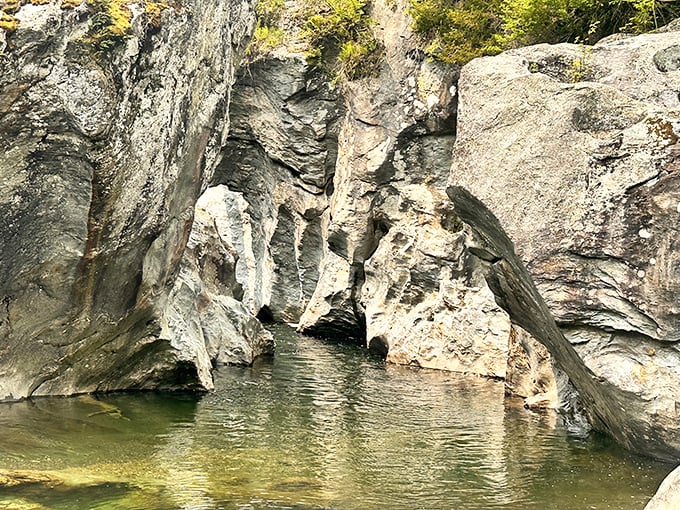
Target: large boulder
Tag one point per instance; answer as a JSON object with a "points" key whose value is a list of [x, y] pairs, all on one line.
{"points": [[423, 303], [104, 150], [566, 167]]}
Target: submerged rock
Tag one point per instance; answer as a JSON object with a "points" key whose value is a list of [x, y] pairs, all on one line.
{"points": [[570, 185], [35, 490]]}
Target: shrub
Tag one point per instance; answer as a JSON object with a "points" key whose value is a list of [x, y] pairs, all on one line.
{"points": [[269, 12], [340, 38], [268, 35], [265, 39], [110, 25], [456, 31], [649, 14]]}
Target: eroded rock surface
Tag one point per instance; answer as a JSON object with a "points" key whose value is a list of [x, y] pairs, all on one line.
{"points": [[205, 320], [103, 156], [325, 205], [396, 275], [570, 184], [279, 162]]}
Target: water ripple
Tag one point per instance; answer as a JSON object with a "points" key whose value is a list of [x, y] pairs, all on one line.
{"points": [[319, 426]]}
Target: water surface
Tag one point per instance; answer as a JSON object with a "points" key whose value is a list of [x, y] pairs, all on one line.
{"points": [[318, 426]]}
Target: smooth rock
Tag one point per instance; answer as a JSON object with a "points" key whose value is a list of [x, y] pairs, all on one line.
{"points": [[571, 189], [204, 319]]}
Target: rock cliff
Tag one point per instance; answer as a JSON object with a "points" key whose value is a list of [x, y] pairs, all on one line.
{"points": [[104, 151], [396, 274], [570, 182]]}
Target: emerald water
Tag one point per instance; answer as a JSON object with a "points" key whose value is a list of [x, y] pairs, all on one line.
{"points": [[319, 425]]}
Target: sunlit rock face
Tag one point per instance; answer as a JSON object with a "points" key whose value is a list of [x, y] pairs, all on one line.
{"points": [[150, 211], [396, 276], [103, 156], [567, 174], [205, 319], [336, 208]]}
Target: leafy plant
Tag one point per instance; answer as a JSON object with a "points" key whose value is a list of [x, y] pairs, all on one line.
{"points": [[456, 31], [580, 67], [269, 12], [8, 23], [650, 14], [340, 38], [265, 39], [268, 35]]}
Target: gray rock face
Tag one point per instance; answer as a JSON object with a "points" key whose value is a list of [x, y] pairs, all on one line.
{"points": [[279, 162], [204, 320], [390, 125], [421, 302], [572, 192], [103, 158], [327, 207], [398, 275]]}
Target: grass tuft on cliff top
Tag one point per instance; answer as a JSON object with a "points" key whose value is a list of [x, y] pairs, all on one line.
{"points": [[340, 38], [110, 25], [268, 34], [337, 34]]}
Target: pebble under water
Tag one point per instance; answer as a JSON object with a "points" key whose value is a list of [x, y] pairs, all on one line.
{"points": [[320, 425]]}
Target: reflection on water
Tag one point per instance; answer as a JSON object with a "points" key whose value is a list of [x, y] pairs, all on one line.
{"points": [[318, 426]]}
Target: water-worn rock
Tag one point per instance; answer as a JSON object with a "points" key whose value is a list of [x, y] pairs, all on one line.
{"points": [[423, 304], [103, 157], [330, 192], [569, 180], [279, 161], [205, 321], [398, 275], [667, 497], [20, 489]]}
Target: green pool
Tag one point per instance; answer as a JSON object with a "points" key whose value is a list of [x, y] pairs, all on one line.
{"points": [[320, 425]]}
